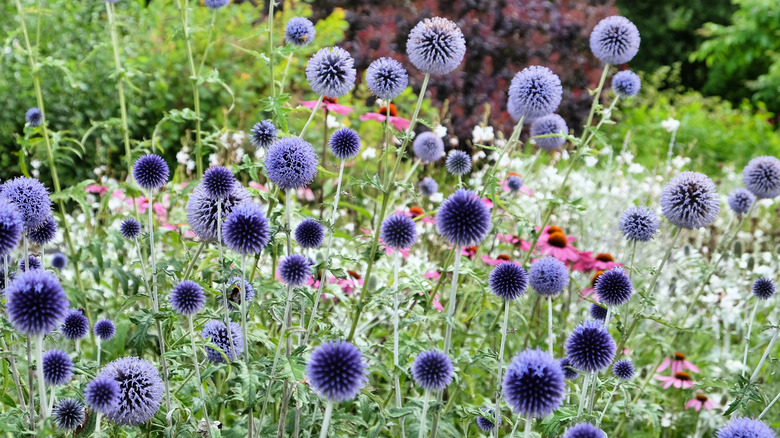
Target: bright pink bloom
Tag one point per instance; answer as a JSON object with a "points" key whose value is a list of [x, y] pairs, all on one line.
{"points": [[469, 251], [258, 186], [698, 402], [559, 246], [399, 123], [502, 258], [328, 105], [678, 364], [601, 262], [432, 275], [305, 193], [94, 188], [415, 212], [678, 380]]}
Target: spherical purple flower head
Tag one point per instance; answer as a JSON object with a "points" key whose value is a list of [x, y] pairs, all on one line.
{"points": [[458, 163], [234, 292], [568, 371], [615, 40], [32, 261], [31, 200], [762, 177], [150, 172], [263, 134], [215, 332], [140, 390], [294, 270], [614, 287], [57, 367], [336, 370], [584, 430], [35, 302], [398, 231], [428, 147], [75, 325], [690, 200], [508, 281], [102, 394], [130, 228], [763, 288], [598, 312], [59, 261], [639, 223], [309, 233], [432, 370], [246, 229], [44, 233], [534, 385], [623, 369], [514, 184], [331, 72], [291, 163], [740, 200], [428, 186], [33, 117], [299, 32], [344, 144], [218, 182], [549, 276], [436, 45], [104, 329], [534, 92], [745, 428], [202, 211], [590, 347], [387, 78], [463, 219], [548, 125], [216, 4], [486, 424], [187, 297], [68, 414], [626, 84], [11, 227]]}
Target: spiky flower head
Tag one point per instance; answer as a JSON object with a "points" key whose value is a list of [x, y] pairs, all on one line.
{"points": [[568, 371], [331, 72], [263, 134], [623, 369], [485, 424], [548, 276], [299, 31], [57, 367], [130, 228], [763, 288], [762, 177], [428, 147], [741, 427], [458, 163], [615, 40], [584, 430], [216, 4], [68, 414], [75, 325], [508, 281], [102, 394], [234, 292], [551, 124], [59, 261], [187, 297], [614, 287], [690, 200], [428, 186], [31, 200], [309, 233], [639, 223], [534, 385], [626, 84], [386, 78], [336, 370], [140, 390], [590, 347], [218, 182], [246, 229], [514, 183], [202, 211], [598, 312], [11, 227], [344, 144], [291, 163], [35, 302], [463, 219], [32, 262], [44, 233], [398, 231], [215, 332], [740, 200], [534, 92], [295, 269], [150, 172], [33, 117], [432, 370], [436, 45], [104, 329]]}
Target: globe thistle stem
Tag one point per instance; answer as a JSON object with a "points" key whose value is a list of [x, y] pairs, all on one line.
{"points": [[326, 420], [99, 349], [271, 4], [500, 370], [452, 300], [120, 86], [386, 144], [313, 113], [225, 302], [30, 382], [183, 7], [528, 426], [550, 336], [397, 383], [769, 406], [765, 355], [198, 251], [747, 338], [510, 144], [290, 58], [15, 373], [196, 365], [424, 414], [282, 334], [98, 419], [606, 404], [596, 97], [592, 395], [583, 393], [39, 374], [143, 266], [208, 40], [251, 417]]}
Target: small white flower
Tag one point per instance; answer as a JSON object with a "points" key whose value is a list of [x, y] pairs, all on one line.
{"points": [[453, 141], [482, 134], [591, 161], [368, 154], [349, 227], [333, 122], [670, 124], [439, 130], [190, 165], [35, 164], [182, 156], [240, 154], [636, 168], [97, 171], [479, 155], [213, 159], [436, 197], [564, 154], [678, 161], [259, 153], [239, 137]]}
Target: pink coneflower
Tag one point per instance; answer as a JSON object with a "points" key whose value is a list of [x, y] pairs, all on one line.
{"points": [[328, 104], [700, 401], [678, 380], [432, 275], [508, 238], [558, 245], [415, 212], [678, 364], [501, 258], [94, 188], [469, 251], [592, 289], [399, 123], [602, 262]]}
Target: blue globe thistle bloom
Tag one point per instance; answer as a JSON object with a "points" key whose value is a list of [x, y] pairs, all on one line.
{"points": [[463, 219], [762, 177], [740, 200], [639, 223], [246, 229], [102, 394], [263, 134], [57, 367], [331, 72], [218, 182], [32, 261], [534, 385], [104, 329], [623, 369], [549, 276], [690, 200], [35, 302], [763, 288], [614, 287], [59, 261], [215, 332], [534, 92], [44, 233], [336, 370], [299, 32], [187, 297], [31, 200], [428, 147], [386, 78], [508, 281], [590, 347], [432, 370], [130, 228], [568, 371], [626, 84], [458, 163], [436, 45], [428, 186], [75, 325], [216, 4], [33, 117], [486, 424], [291, 163], [234, 293], [68, 414], [140, 390], [294, 270], [344, 144], [11, 227], [548, 125], [584, 430], [514, 183], [202, 210], [309, 233], [598, 312], [741, 427], [398, 231], [150, 172], [615, 40]]}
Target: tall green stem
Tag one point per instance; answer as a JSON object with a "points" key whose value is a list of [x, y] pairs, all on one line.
{"points": [[120, 85], [271, 4], [397, 367], [311, 116], [155, 301], [326, 420], [251, 422], [41, 383], [500, 372], [424, 414], [183, 7], [747, 338], [196, 363], [765, 355]]}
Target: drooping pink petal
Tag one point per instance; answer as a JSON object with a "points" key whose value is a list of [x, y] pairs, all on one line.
{"points": [[338, 109], [664, 365]]}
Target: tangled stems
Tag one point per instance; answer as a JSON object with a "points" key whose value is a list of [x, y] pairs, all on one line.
{"points": [[766, 354], [194, 80], [196, 363], [120, 85], [747, 338], [497, 411], [385, 201], [510, 144]]}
